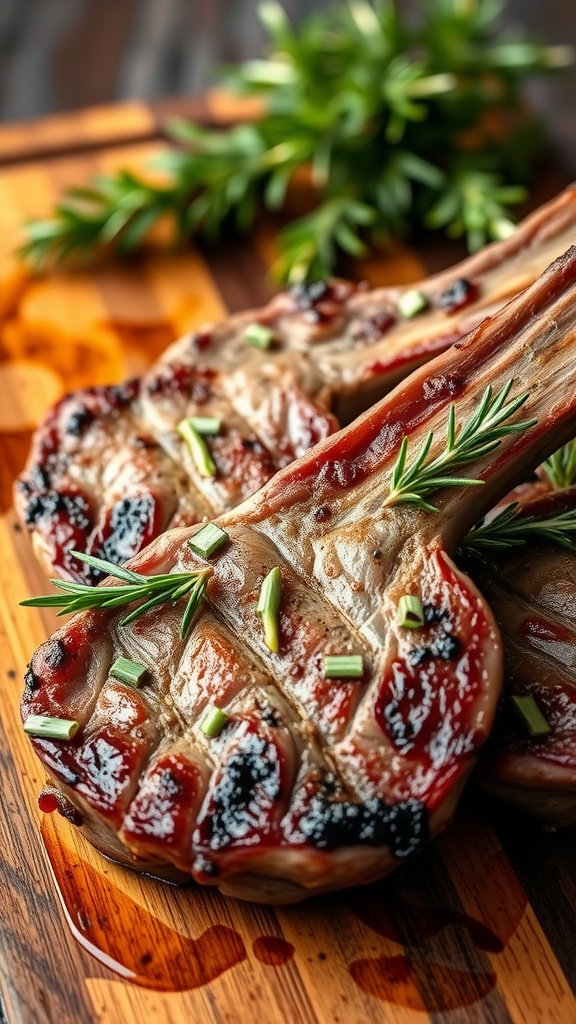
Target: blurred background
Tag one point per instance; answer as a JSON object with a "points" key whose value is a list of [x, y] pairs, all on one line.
{"points": [[63, 54]]}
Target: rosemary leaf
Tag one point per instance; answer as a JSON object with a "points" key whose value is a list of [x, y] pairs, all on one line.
{"points": [[375, 106], [511, 528], [151, 591], [477, 437], [560, 468]]}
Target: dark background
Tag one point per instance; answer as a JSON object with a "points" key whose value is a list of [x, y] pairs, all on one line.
{"points": [[63, 54]]}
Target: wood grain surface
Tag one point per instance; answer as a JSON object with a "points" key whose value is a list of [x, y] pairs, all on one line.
{"points": [[480, 928]]}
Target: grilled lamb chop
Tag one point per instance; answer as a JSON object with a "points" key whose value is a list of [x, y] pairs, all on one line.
{"points": [[532, 592], [108, 472], [313, 783]]}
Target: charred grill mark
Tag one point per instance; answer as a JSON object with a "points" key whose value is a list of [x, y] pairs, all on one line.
{"points": [[79, 421], [129, 526], [241, 800], [445, 646], [322, 513], [271, 716], [118, 396], [74, 508], [55, 654], [458, 295], [329, 822], [242, 463], [307, 295], [32, 682], [202, 340]]}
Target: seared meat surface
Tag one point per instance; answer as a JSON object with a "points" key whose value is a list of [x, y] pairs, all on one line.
{"points": [[314, 783], [108, 470], [532, 592]]}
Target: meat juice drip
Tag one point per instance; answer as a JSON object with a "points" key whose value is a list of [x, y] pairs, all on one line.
{"points": [[129, 940], [395, 979], [443, 965], [272, 950]]}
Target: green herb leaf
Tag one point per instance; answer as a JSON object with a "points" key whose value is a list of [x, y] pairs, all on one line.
{"points": [[481, 434], [268, 606], [530, 716], [560, 468], [208, 540], [127, 671], [410, 613], [343, 666], [48, 728], [512, 528], [213, 721], [150, 591], [385, 112]]}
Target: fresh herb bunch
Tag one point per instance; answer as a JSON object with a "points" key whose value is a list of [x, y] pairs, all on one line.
{"points": [[397, 126]]}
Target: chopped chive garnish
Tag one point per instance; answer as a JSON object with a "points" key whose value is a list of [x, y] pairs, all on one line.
{"points": [[209, 426], [129, 672], [208, 540], [258, 335], [51, 728], [530, 716], [410, 612], [267, 608], [197, 447], [213, 721], [411, 303], [343, 666]]}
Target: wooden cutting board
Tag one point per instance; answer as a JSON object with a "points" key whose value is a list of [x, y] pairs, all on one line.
{"points": [[480, 928]]}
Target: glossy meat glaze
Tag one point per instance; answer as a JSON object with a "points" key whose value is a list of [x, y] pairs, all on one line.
{"points": [[108, 471], [532, 592], [314, 783]]}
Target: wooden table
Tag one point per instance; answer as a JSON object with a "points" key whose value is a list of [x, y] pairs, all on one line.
{"points": [[479, 928]]}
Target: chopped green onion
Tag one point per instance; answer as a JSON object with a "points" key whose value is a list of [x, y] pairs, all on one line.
{"points": [[343, 666], [267, 607], [530, 716], [411, 303], [209, 426], [51, 728], [208, 540], [410, 612], [197, 447], [258, 335], [213, 721], [129, 672]]}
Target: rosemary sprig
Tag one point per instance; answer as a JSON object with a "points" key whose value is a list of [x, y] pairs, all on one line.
{"points": [[151, 591], [390, 117], [480, 435], [512, 528], [560, 468]]}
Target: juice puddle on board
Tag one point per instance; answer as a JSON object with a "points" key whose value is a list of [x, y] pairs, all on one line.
{"points": [[129, 940], [136, 945]]}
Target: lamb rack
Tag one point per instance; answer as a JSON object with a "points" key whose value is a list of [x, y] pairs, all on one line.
{"points": [[112, 468], [348, 702]]}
